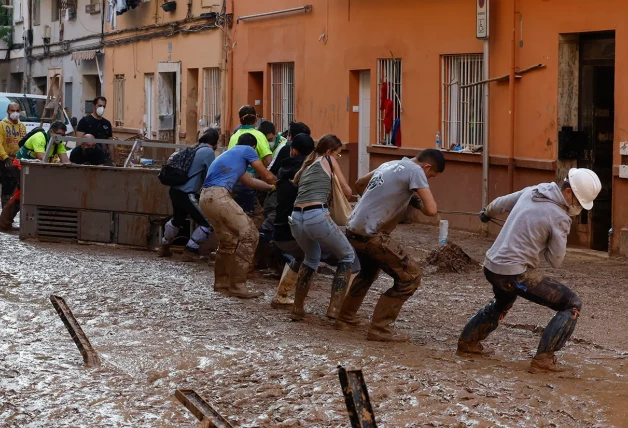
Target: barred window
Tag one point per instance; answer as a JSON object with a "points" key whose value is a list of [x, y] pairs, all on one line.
{"points": [[388, 100], [282, 94], [118, 100], [212, 101]]}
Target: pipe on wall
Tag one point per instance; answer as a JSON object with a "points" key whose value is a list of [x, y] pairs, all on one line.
{"points": [[305, 9], [511, 103]]}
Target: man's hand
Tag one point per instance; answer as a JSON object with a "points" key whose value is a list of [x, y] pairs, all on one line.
{"points": [[484, 218], [8, 162]]}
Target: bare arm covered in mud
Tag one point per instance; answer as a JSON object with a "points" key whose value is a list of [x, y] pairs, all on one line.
{"points": [[263, 173], [252, 182], [360, 185]]}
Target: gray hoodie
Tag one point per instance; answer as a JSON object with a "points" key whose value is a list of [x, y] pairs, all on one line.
{"points": [[537, 226]]}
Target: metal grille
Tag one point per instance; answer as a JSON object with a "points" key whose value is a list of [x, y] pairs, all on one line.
{"points": [[118, 100], [388, 98], [282, 94], [212, 102], [57, 223], [462, 108]]}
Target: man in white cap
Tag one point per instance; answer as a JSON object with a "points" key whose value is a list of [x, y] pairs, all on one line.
{"points": [[537, 226]]}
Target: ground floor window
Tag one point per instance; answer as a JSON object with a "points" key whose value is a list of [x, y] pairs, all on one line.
{"points": [[389, 101], [462, 101], [212, 101], [282, 94]]}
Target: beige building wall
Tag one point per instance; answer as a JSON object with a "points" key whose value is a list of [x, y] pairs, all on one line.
{"points": [[162, 84]]}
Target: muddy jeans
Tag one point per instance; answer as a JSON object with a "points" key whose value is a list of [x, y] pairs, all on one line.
{"points": [[315, 228], [381, 252], [535, 287], [293, 248], [236, 232]]}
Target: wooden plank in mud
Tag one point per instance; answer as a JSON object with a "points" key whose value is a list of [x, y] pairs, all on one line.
{"points": [[200, 408], [356, 398], [90, 357]]}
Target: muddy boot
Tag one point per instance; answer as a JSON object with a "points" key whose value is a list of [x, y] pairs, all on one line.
{"points": [[286, 284], [544, 363], [9, 211], [240, 291], [485, 321], [238, 273], [385, 313], [164, 251], [302, 288], [347, 317], [339, 288], [474, 348], [221, 273], [192, 255]]}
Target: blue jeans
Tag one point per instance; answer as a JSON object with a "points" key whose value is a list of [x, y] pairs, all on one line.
{"points": [[314, 228]]}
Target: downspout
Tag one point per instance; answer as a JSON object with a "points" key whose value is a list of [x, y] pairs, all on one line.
{"points": [[485, 152], [29, 50], [229, 121], [511, 104]]}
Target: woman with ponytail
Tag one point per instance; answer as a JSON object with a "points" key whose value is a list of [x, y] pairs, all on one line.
{"points": [[312, 226]]}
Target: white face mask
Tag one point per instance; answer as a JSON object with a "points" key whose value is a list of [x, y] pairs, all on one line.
{"points": [[14, 116], [100, 111], [574, 211]]}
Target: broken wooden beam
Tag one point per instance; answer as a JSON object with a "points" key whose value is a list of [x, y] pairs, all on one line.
{"points": [[90, 357], [200, 408], [356, 398]]}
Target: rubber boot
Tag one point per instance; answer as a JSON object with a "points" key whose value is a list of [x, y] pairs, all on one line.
{"points": [[238, 273], [192, 255], [556, 334], [339, 288], [302, 288], [545, 362], [9, 211], [485, 321], [286, 285], [4, 199], [164, 251], [385, 313], [347, 317], [221, 273]]}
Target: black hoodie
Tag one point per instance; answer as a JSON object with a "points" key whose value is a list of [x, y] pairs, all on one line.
{"points": [[286, 195]]}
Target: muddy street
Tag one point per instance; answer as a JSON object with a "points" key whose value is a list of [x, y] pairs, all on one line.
{"points": [[157, 326]]}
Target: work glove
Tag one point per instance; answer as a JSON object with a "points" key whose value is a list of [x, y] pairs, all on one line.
{"points": [[484, 218], [416, 202], [8, 162]]}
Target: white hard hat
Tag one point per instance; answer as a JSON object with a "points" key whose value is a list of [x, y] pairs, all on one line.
{"points": [[586, 185]]}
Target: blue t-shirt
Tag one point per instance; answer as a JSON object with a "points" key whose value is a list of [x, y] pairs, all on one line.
{"points": [[227, 169], [203, 159]]}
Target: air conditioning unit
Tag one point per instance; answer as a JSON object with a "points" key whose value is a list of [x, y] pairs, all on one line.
{"points": [[92, 9]]}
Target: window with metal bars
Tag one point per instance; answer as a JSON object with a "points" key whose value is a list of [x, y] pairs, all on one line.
{"points": [[212, 101], [462, 107], [282, 94], [389, 101], [118, 100]]}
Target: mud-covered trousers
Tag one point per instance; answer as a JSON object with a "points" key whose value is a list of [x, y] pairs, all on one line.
{"points": [[381, 252], [236, 232], [535, 287]]}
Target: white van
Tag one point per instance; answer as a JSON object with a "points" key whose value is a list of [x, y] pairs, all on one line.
{"points": [[32, 108]]}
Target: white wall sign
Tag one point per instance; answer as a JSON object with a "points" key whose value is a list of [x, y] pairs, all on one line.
{"points": [[482, 19]]}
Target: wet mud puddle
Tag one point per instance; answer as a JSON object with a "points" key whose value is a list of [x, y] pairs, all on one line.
{"points": [[158, 327]]}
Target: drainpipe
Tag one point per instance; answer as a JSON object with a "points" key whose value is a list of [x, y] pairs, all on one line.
{"points": [[229, 118], [29, 50], [485, 152], [511, 104]]}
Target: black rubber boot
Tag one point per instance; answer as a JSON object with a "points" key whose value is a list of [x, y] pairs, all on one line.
{"points": [[483, 323], [302, 287], [558, 331], [339, 289]]}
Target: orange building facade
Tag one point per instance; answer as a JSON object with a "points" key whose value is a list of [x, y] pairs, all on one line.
{"points": [[164, 69], [386, 77]]}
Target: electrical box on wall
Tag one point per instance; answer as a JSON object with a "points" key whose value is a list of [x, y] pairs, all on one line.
{"points": [[92, 9], [623, 155]]}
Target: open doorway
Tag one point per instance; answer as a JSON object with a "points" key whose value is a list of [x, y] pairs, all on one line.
{"points": [[168, 101], [597, 121], [586, 118], [256, 92]]}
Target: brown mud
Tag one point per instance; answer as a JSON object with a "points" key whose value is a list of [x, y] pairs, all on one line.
{"points": [[157, 326], [450, 258]]}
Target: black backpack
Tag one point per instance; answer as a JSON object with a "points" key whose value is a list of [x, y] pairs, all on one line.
{"points": [[175, 171], [29, 135]]}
